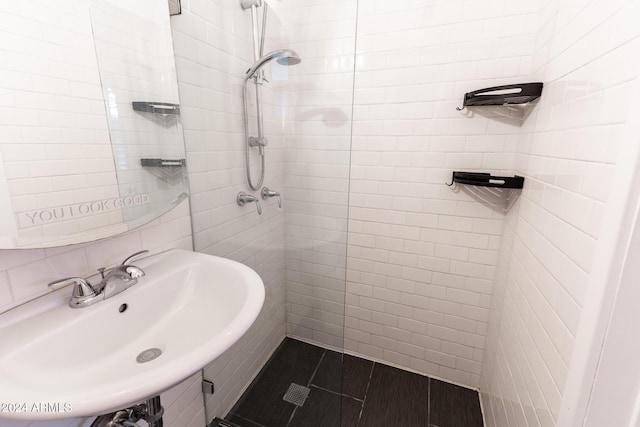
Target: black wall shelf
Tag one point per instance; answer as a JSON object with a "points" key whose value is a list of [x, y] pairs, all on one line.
{"points": [[486, 180], [502, 95], [156, 107], [163, 163]]}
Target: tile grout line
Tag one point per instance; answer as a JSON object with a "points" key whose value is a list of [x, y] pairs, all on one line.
{"points": [[336, 393], [292, 415], [429, 401], [366, 392], [315, 371]]}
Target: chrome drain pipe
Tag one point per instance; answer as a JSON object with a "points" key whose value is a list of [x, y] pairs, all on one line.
{"points": [[155, 411]]}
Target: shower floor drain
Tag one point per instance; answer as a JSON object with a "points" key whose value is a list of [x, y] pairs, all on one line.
{"points": [[297, 394]]}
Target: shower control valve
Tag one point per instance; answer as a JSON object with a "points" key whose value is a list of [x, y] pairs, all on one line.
{"points": [[266, 194], [244, 198]]}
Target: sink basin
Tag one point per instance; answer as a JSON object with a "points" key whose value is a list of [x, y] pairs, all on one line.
{"points": [[59, 362]]}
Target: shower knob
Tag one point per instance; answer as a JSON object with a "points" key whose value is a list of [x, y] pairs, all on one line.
{"points": [[243, 198], [266, 193]]}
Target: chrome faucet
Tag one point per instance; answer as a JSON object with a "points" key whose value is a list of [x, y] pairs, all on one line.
{"points": [[118, 279]]}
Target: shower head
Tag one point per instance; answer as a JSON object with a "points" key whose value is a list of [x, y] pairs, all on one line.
{"points": [[288, 60], [282, 56]]}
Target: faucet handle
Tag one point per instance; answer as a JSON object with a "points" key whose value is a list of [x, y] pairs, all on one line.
{"points": [[134, 272], [61, 283], [81, 289], [133, 256], [243, 198], [267, 193]]}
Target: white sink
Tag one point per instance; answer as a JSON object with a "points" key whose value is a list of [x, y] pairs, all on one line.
{"points": [[82, 361]]}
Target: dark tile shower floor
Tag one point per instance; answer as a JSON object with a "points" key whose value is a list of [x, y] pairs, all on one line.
{"points": [[371, 395]]}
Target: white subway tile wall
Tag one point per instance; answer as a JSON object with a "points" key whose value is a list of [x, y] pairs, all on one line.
{"points": [[213, 47], [317, 160], [422, 256], [65, 103], [567, 151]]}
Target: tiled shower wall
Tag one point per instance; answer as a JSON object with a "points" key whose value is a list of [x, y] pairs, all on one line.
{"points": [[567, 151], [212, 42], [318, 143], [421, 257], [56, 33]]}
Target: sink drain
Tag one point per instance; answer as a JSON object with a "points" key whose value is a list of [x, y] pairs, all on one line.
{"points": [[148, 355]]}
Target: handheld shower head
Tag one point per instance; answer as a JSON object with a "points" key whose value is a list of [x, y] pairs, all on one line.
{"points": [[284, 57], [289, 59]]}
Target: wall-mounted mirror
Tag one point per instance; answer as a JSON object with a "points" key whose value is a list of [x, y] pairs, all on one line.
{"points": [[91, 142]]}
